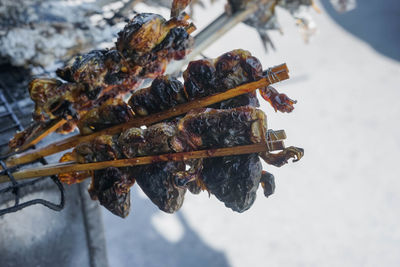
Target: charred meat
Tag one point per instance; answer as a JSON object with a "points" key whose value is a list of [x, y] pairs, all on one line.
{"points": [[234, 179], [201, 78], [143, 49]]}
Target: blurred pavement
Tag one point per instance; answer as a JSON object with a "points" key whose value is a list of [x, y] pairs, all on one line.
{"points": [[337, 206]]}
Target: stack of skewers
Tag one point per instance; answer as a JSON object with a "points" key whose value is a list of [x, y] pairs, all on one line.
{"points": [[204, 134]]}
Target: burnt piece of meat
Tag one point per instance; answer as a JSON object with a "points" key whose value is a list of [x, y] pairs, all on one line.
{"points": [[102, 148], [165, 92], [52, 98], [233, 180], [100, 73], [140, 39], [199, 78], [175, 45], [237, 67], [110, 113], [155, 140], [111, 186], [211, 128], [157, 182], [207, 77]]}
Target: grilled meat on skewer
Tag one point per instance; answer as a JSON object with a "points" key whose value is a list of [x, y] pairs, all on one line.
{"points": [[233, 179], [201, 78], [143, 49], [158, 183], [111, 112], [166, 183], [111, 186], [156, 180]]}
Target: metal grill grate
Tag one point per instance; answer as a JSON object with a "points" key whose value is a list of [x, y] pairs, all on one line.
{"points": [[12, 124]]}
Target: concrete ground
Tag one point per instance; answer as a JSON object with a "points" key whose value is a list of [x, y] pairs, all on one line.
{"points": [[337, 206]]}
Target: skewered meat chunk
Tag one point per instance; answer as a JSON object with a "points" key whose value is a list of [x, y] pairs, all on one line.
{"points": [[102, 148], [233, 179], [46, 93], [142, 34], [158, 183], [156, 180], [211, 128], [206, 77], [154, 140], [110, 113], [202, 78], [111, 186], [165, 92]]}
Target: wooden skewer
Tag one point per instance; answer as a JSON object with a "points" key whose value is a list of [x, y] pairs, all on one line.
{"points": [[33, 140], [280, 72], [66, 167]]}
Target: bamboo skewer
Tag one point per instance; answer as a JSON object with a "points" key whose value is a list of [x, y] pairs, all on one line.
{"points": [[53, 125], [66, 167], [277, 73]]}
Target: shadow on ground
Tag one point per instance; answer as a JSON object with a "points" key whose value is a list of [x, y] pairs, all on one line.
{"points": [[375, 22], [134, 241]]}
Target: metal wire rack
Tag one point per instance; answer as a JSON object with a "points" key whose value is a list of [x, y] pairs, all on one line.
{"points": [[14, 124]]}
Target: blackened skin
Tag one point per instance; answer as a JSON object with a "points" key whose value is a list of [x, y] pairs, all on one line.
{"points": [[249, 99], [61, 108], [177, 40], [103, 148], [219, 129], [127, 39], [268, 183], [199, 79], [165, 92], [206, 77], [233, 180], [111, 187], [156, 181], [110, 113], [136, 142]]}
